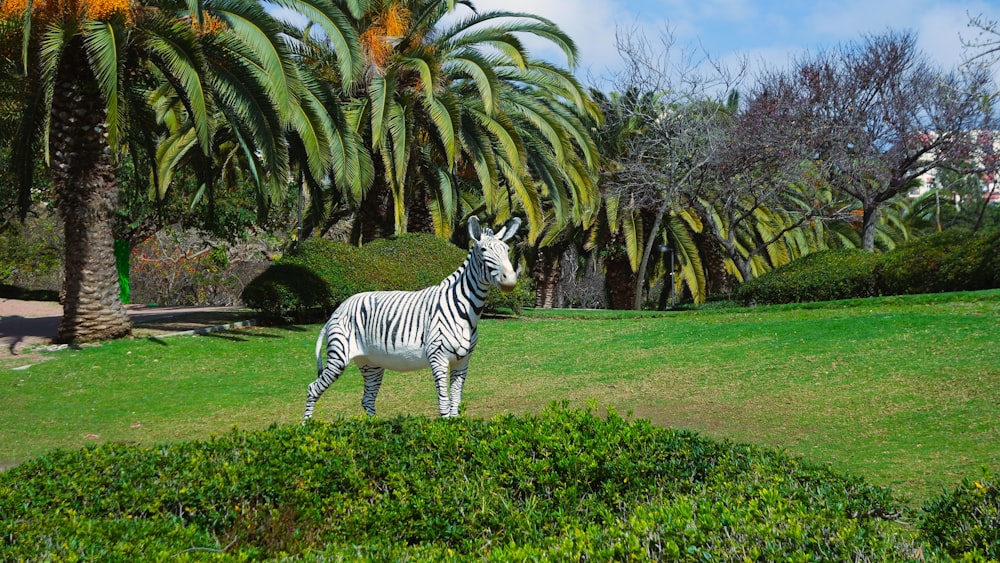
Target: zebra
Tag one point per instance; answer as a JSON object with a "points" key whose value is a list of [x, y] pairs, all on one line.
{"points": [[409, 330]]}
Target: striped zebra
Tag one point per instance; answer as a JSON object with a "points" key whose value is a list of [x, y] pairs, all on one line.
{"points": [[409, 330]]}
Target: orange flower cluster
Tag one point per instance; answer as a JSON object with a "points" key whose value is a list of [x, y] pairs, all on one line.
{"points": [[104, 9], [384, 33], [211, 24], [84, 9], [12, 8]]}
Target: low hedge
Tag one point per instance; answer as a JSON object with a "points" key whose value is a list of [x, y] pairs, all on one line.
{"points": [[952, 260], [309, 282], [972, 266], [563, 485], [821, 276], [915, 267]]}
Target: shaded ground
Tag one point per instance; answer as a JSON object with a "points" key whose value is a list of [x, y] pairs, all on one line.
{"points": [[28, 326]]}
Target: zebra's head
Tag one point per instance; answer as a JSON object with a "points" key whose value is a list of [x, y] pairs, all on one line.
{"points": [[495, 251]]}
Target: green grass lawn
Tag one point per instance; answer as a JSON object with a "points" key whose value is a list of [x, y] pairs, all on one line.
{"points": [[904, 391]]}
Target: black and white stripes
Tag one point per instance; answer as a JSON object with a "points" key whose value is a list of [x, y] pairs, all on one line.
{"points": [[408, 330]]}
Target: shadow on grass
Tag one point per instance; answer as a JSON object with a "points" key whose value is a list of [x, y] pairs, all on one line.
{"points": [[235, 335], [291, 328]]}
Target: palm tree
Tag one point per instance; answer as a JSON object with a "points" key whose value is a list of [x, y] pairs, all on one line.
{"points": [[653, 148], [88, 69], [455, 108]]}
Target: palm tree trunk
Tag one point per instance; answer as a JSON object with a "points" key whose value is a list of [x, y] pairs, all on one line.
{"points": [[547, 273], [717, 279], [83, 174], [376, 212], [419, 218], [619, 278]]}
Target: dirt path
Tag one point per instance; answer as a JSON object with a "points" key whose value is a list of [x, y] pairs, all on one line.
{"points": [[26, 326]]}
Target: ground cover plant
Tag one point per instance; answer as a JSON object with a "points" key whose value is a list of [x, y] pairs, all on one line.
{"points": [[566, 484], [901, 391]]}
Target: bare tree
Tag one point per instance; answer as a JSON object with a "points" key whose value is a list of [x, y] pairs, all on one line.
{"points": [[985, 47], [763, 183], [661, 131], [877, 115], [983, 52]]}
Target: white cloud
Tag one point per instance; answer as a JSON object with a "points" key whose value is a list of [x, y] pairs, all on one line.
{"points": [[767, 33], [939, 33], [939, 24]]}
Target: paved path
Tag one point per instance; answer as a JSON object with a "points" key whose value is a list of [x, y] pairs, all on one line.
{"points": [[32, 323]]}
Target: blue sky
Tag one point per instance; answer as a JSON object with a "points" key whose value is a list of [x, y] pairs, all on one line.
{"points": [[764, 32]]}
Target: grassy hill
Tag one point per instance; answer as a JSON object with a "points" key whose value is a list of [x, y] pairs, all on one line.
{"points": [[881, 404]]}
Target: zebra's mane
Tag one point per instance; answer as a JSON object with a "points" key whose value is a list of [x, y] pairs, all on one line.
{"points": [[488, 232]]}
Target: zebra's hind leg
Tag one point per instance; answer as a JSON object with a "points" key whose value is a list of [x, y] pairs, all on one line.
{"points": [[373, 380], [334, 367]]}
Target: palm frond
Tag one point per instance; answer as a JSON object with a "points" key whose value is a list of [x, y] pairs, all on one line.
{"points": [[337, 28], [173, 45], [104, 43], [632, 225]]}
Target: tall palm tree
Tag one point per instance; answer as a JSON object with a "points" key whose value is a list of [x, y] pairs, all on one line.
{"points": [[88, 68], [462, 106]]}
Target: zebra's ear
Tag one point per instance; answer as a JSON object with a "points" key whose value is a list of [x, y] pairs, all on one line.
{"points": [[475, 231], [510, 229]]}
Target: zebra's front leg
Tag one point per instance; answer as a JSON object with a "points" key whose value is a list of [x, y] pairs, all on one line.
{"points": [[441, 371], [373, 380], [457, 382]]}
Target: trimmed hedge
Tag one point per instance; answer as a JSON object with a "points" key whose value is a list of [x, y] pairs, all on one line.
{"points": [[563, 485], [915, 267], [952, 260], [821, 276], [974, 265], [512, 302], [309, 282]]}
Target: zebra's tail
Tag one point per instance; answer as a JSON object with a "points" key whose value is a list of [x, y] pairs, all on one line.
{"points": [[319, 349]]}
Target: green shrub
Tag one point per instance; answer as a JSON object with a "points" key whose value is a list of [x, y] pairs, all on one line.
{"points": [[966, 520], [564, 485], [952, 260], [915, 267], [972, 266], [991, 265], [31, 254], [821, 276], [319, 274], [499, 302], [17, 292], [412, 261], [288, 291]]}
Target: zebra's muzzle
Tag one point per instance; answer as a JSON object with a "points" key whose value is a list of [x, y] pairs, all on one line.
{"points": [[508, 280]]}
